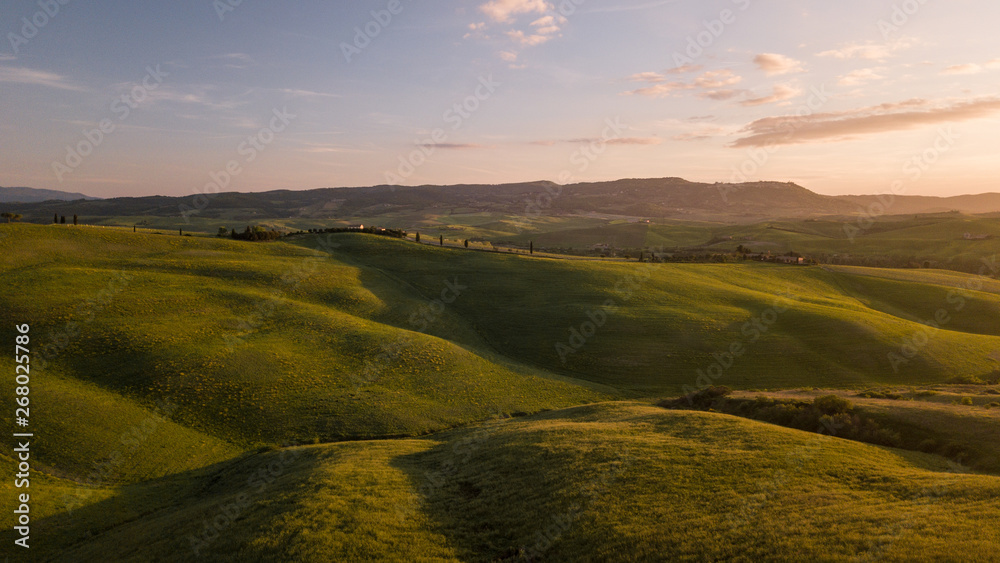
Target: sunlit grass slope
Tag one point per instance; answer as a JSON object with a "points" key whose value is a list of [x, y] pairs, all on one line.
{"points": [[938, 238], [251, 343], [667, 322], [613, 481]]}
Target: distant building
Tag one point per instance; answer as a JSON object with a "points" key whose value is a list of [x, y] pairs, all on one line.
{"points": [[769, 258], [970, 236]]}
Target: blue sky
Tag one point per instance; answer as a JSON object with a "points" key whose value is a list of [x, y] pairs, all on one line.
{"points": [[841, 97]]}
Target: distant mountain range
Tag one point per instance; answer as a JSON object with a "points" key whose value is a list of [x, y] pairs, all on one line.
{"points": [[33, 195], [664, 198]]}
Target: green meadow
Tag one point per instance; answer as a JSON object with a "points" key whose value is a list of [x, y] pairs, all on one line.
{"points": [[353, 397]]}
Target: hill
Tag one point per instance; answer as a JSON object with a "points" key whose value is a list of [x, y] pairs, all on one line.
{"points": [[403, 206], [653, 328], [354, 396], [945, 240], [251, 344], [589, 483], [380, 333], [34, 195]]}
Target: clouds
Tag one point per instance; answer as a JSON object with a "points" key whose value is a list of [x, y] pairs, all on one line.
{"points": [[660, 88], [503, 11], [298, 93], [715, 85], [21, 75], [646, 77], [869, 51], [660, 77], [523, 39], [781, 92], [971, 68], [642, 141], [859, 77], [774, 64], [621, 141], [843, 125], [235, 60], [545, 26], [702, 134], [717, 79], [458, 146]]}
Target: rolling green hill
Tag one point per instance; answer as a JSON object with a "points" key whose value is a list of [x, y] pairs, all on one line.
{"points": [[614, 481], [912, 241], [254, 343], [172, 374], [665, 321]]}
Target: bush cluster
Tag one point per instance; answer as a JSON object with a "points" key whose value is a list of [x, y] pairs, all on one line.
{"points": [[394, 233], [827, 414], [256, 234]]}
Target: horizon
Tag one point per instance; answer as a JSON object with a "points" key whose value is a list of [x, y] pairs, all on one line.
{"points": [[852, 99], [264, 191]]}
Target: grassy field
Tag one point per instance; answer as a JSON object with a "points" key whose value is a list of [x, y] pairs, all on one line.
{"points": [[252, 344], [355, 397], [886, 240], [958, 421], [613, 481], [898, 240], [665, 321]]}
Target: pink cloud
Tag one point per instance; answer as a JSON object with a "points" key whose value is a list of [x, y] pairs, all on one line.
{"points": [[834, 126], [503, 11], [775, 64], [781, 93]]}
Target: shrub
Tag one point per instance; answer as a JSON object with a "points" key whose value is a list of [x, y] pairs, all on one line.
{"points": [[832, 404], [928, 446], [966, 400], [875, 394], [703, 398], [966, 379]]}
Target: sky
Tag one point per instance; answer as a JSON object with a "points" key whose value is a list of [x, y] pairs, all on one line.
{"points": [[136, 98]]}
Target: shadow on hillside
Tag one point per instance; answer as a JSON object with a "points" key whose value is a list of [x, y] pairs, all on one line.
{"points": [[503, 496], [218, 509], [452, 494]]}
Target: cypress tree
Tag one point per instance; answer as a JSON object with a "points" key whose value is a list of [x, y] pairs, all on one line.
{"points": [[441, 241], [74, 218], [55, 217], [418, 237], [531, 247], [466, 243], [62, 219]]}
